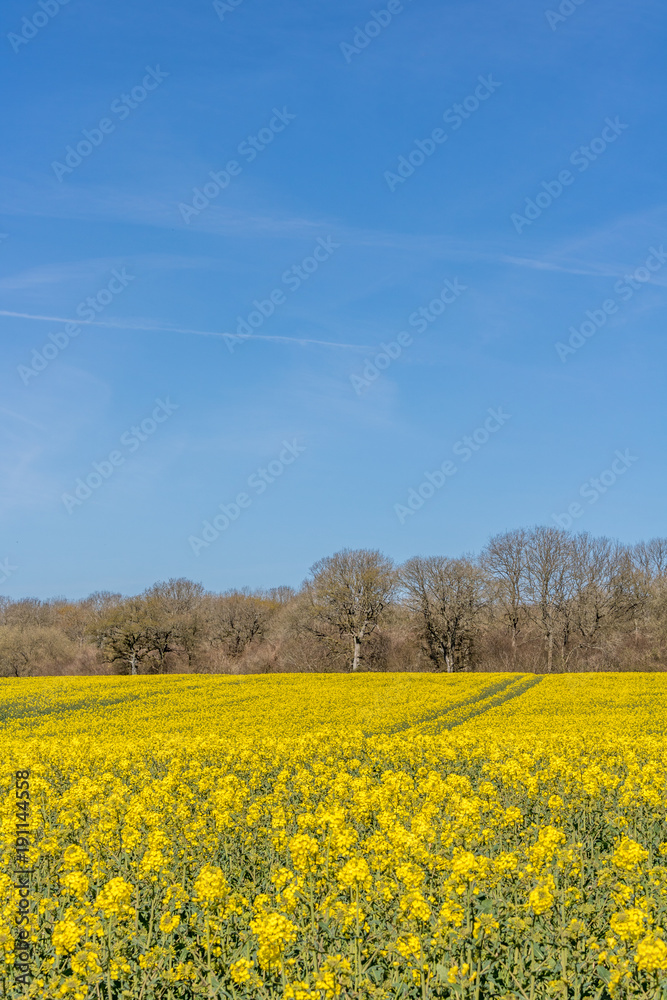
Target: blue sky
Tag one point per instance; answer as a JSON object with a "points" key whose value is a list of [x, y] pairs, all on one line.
{"points": [[308, 114]]}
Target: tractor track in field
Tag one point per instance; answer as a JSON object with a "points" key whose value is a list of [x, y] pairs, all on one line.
{"points": [[499, 692], [515, 692], [490, 697]]}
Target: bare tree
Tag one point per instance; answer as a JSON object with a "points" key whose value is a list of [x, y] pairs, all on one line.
{"points": [[546, 585], [29, 611], [101, 601], [236, 619], [651, 559], [98, 608], [178, 596], [601, 595], [280, 595], [28, 649], [503, 561], [126, 634], [449, 598], [73, 617], [575, 601], [347, 595], [175, 608]]}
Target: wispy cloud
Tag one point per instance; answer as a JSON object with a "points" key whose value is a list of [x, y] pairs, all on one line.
{"points": [[94, 267], [582, 255], [19, 416], [149, 326], [592, 269]]}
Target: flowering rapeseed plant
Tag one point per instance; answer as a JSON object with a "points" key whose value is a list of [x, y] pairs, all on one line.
{"points": [[322, 837]]}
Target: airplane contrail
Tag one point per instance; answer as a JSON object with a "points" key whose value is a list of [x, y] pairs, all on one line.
{"points": [[153, 328]]}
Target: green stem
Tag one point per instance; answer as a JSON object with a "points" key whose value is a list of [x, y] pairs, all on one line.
{"points": [[357, 948]]}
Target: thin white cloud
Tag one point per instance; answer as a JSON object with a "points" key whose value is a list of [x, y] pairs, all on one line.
{"points": [[594, 269], [19, 416], [148, 326], [82, 270], [583, 255]]}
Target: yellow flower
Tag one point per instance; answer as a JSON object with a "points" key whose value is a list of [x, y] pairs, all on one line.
{"points": [[240, 970], [86, 963], [175, 896], [540, 899], [275, 932], [75, 857], [629, 924], [651, 954], [458, 974], [411, 875], [75, 883], [211, 886], [512, 817], [414, 906], [334, 974], [485, 923], [114, 898], [629, 854], [169, 922], [409, 946], [304, 850], [355, 872], [66, 936]]}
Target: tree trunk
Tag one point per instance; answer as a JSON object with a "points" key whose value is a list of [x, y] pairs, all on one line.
{"points": [[133, 664], [564, 654], [550, 652], [357, 653]]}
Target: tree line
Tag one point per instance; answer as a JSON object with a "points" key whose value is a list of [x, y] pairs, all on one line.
{"points": [[538, 599]]}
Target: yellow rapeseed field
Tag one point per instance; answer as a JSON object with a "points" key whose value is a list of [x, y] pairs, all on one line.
{"points": [[310, 837]]}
